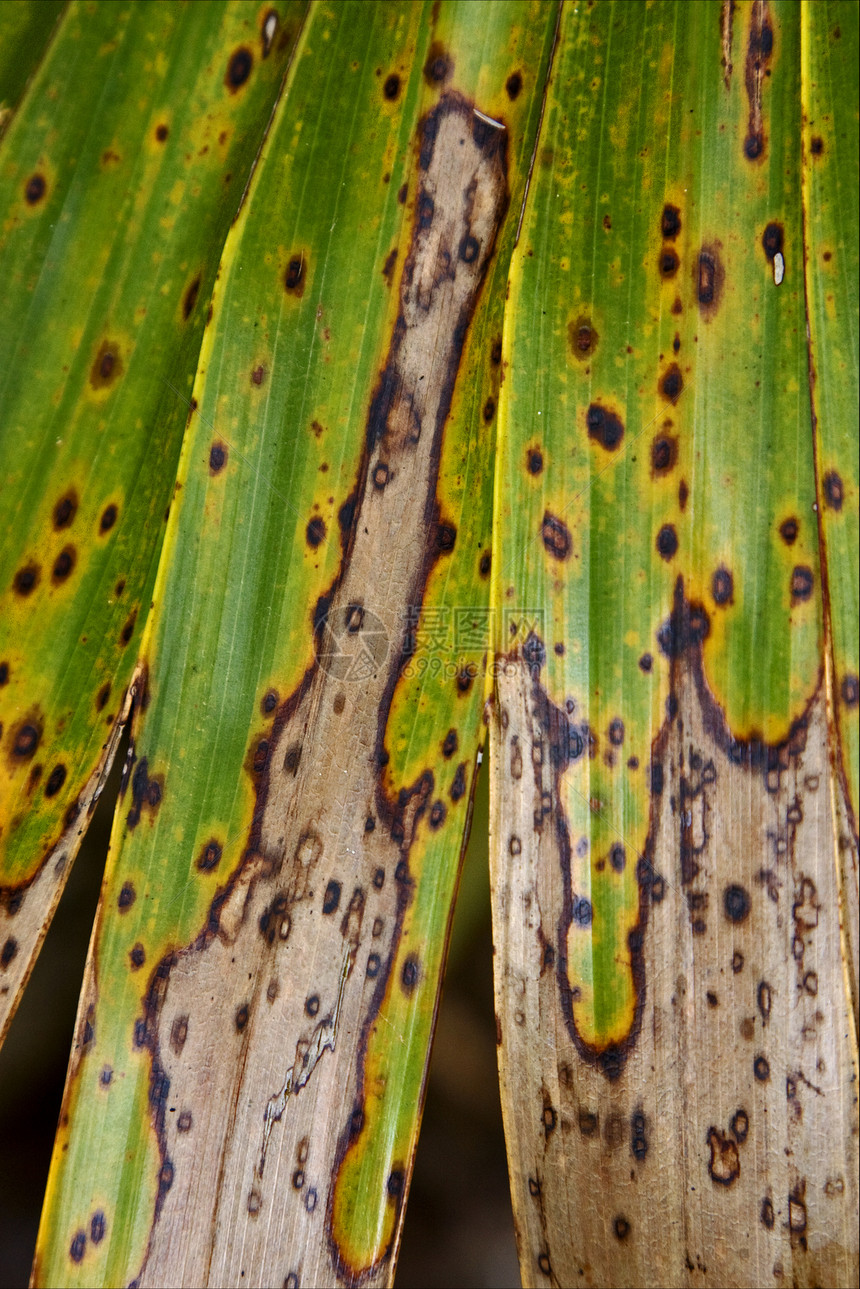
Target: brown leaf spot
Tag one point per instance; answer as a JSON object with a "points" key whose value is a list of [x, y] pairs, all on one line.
{"points": [[556, 536], [724, 1166], [238, 68], [107, 365], [604, 427]]}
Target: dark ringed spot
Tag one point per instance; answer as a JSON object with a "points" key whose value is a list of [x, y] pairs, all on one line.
{"points": [[395, 1183], [380, 476], [771, 240], [470, 249], [667, 542], [449, 747], [604, 427], [722, 586], [834, 492], [740, 1125], [582, 912], [618, 857], [788, 531], [373, 965], [127, 896], [761, 1069], [736, 903], [312, 1005], [26, 740], [646, 662], [34, 189], [556, 536], [410, 974], [766, 1213], [616, 732], [391, 88], [672, 384], [534, 461], [209, 857], [850, 690], [670, 222], [489, 411], [544, 1264], [65, 510], [239, 68], [669, 262], [801, 583], [78, 1246], [56, 779], [63, 564], [331, 899], [8, 952], [664, 454], [161, 132], [513, 85], [315, 531], [294, 277], [817, 146], [621, 1228], [217, 458], [439, 66], [108, 519], [484, 566], [190, 298], [137, 956], [26, 579], [241, 1017]]}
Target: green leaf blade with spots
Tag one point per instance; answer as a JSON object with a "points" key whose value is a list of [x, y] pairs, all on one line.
{"points": [[666, 903], [116, 191], [265, 969]]}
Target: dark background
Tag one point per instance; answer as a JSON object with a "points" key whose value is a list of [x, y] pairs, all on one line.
{"points": [[459, 1228]]}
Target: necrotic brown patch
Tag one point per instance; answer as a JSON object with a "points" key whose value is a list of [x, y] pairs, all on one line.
{"points": [[556, 536]]}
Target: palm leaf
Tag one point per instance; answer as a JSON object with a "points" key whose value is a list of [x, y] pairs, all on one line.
{"points": [[667, 909]]}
